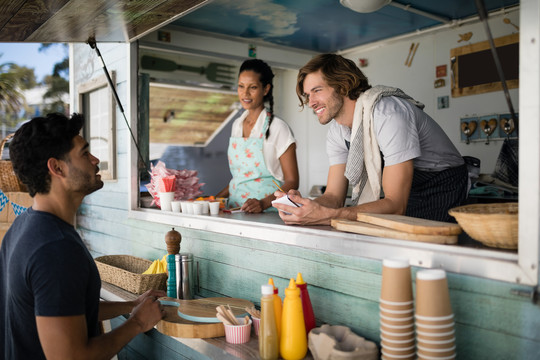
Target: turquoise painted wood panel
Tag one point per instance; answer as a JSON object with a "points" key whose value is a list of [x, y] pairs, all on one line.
{"points": [[491, 322]]}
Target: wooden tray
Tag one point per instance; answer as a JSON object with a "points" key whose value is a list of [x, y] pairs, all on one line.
{"points": [[374, 230], [410, 224], [197, 318]]}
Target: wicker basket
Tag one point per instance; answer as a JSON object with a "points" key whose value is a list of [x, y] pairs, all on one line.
{"points": [[493, 225], [9, 182], [126, 272]]}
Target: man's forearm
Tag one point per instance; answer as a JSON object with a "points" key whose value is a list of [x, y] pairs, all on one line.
{"points": [[329, 201], [111, 309]]}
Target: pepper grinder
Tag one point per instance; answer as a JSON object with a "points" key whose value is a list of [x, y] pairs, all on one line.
{"points": [[172, 239]]}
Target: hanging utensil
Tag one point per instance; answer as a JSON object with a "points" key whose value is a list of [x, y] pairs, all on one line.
{"points": [[220, 73], [409, 55], [412, 55]]}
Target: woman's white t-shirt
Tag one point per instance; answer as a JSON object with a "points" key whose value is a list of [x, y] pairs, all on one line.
{"points": [[279, 140]]}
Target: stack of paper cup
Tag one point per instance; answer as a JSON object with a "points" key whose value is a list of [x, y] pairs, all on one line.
{"points": [[396, 311], [434, 318]]}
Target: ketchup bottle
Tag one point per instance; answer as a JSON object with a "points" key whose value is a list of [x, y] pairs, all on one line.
{"points": [[309, 316]]}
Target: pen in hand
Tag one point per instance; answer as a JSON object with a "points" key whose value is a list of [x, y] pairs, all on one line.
{"points": [[283, 191]]}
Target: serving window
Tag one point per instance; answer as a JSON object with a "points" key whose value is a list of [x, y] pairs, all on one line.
{"points": [[518, 267]]}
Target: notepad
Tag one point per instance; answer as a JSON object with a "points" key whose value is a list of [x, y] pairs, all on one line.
{"points": [[285, 200]]}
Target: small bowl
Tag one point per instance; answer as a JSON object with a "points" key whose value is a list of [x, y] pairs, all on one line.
{"points": [[238, 334], [256, 323]]}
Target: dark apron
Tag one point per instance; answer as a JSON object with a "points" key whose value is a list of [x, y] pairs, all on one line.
{"points": [[434, 193]]}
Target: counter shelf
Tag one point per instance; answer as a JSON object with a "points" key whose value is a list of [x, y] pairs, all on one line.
{"points": [[463, 258]]}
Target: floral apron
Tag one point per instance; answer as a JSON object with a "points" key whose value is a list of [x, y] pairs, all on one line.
{"points": [[250, 176]]}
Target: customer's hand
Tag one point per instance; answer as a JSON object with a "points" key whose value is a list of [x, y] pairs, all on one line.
{"points": [[149, 293], [148, 313]]}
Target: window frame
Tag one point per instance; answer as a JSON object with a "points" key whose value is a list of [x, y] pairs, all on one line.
{"points": [[84, 90]]}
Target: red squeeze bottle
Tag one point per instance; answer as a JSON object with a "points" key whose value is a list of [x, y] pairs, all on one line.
{"points": [[309, 316]]}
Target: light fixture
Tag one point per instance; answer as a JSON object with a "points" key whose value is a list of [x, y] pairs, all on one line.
{"points": [[364, 6], [368, 6]]}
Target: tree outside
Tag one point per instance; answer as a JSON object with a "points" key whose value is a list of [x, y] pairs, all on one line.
{"points": [[22, 97]]}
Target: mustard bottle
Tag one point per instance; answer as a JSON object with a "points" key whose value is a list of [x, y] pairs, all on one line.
{"points": [[293, 342], [268, 337], [277, 306]]}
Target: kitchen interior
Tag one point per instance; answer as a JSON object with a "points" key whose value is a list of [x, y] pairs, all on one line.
{"points": [[165, 75]]}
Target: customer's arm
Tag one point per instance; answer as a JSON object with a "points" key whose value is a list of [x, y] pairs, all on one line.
{"points": [[66, 337], [111, 309]]}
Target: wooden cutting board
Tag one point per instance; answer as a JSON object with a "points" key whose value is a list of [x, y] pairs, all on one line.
{"points": [[375, 230], [410, 224], [197, 318]]}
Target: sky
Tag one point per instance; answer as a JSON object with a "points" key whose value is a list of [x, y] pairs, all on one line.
{"points": [[27, 54]]}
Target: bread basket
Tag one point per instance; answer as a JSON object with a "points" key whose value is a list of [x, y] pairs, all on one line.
{"points": [[126, 272], [9, 182], [494, 225]]}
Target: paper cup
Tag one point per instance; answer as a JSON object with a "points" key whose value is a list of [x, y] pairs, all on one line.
{"points": [[165, 199], [439, 320], [432, 297], [176, 206], [186, 207], [387, 356], [256, 323], [213, 206], [398, 353], [204, 209], [435, 336], [396, 305], [396, 329], [396, 321], [437, 344], [390, 344], [435, 353], [425, 357], [197, 208], [396, 283], [238, 334], [397, 336], [435, 328], [396, 313]]}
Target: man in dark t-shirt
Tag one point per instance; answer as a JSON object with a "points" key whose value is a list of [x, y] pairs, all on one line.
{"points": [[49, 283]]}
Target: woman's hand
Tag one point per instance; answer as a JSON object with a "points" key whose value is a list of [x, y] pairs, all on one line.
{"points": [[253, 206]]}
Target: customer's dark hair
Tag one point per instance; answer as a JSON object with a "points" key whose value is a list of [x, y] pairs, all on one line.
{"points": [[340, 73], [39, 140], [265, 76]]}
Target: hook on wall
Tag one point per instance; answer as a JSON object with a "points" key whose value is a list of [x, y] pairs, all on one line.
{"points": [[488, 127], [468, 128]]}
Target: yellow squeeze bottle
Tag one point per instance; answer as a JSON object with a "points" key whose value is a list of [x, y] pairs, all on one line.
{"points": [[277, 307], [293, 342]]}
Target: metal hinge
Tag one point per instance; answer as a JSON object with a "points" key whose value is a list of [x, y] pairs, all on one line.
{"points": [[528, 293]]}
